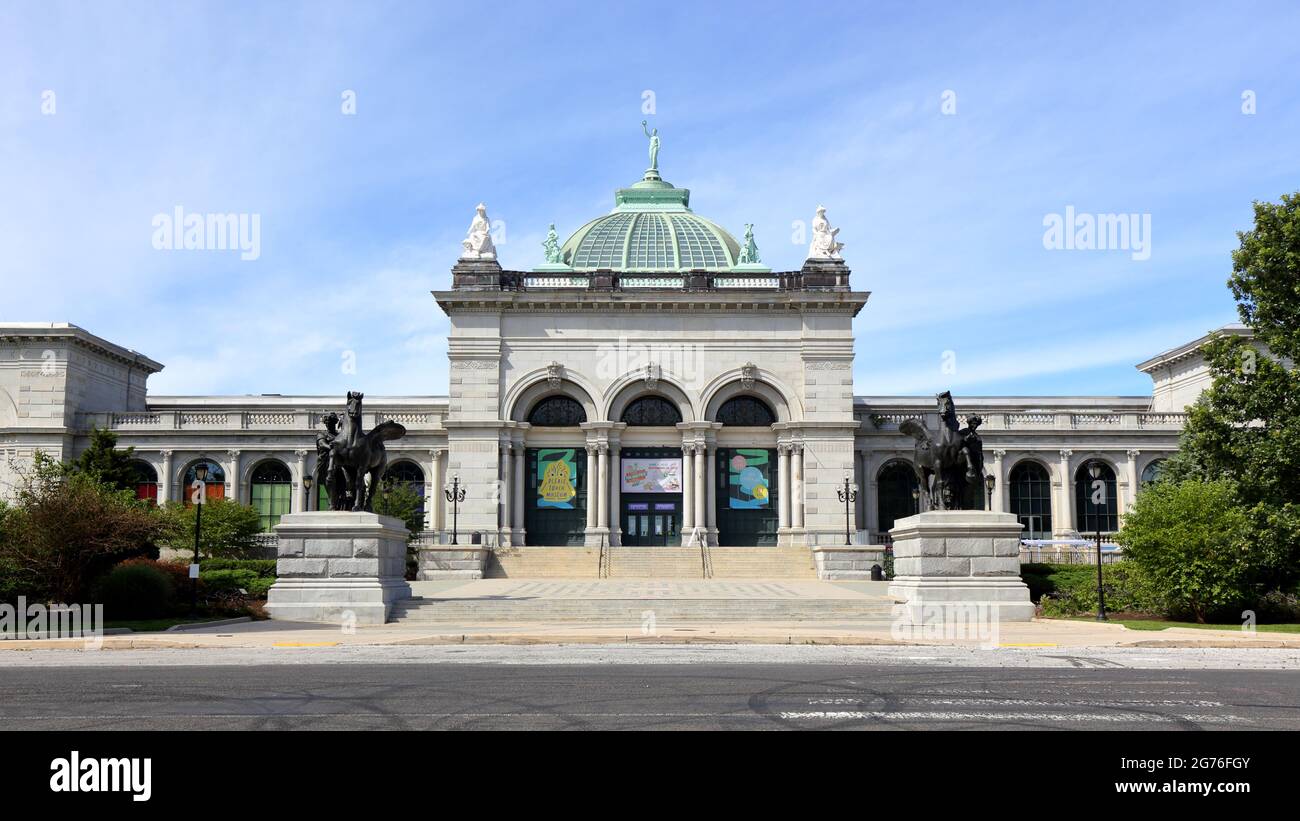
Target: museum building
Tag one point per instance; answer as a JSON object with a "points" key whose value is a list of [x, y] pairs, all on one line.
{"points": [[693, 397]]}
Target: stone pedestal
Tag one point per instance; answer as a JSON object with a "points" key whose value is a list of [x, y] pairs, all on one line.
{"points": [[953, 562], [449, 561], [340, 567], [847, 563]]}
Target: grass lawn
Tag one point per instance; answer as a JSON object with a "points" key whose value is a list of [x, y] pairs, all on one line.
{"points": [[1161, 624], [157, 625]]}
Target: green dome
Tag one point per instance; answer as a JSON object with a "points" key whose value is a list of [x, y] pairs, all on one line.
{"points": [[651, 228]]}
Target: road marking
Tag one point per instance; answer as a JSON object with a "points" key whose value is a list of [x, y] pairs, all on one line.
{"points": [[862, 715]]}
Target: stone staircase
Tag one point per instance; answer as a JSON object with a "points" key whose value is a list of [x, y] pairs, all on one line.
{"points": [[542, 563], [651, 563], [599, 611]]}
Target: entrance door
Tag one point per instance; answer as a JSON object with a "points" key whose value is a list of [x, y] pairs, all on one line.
{"points": [[651, 520], [746, 496]]}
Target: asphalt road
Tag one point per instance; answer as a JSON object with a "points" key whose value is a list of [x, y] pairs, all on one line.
{"points": [[702, 696]]}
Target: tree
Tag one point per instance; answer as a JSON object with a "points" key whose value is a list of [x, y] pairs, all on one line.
{"points": [[1246, 427], [105, 462], [67, 529], [1192, 543], [1266, 275], [401, 501], [229, 529]]}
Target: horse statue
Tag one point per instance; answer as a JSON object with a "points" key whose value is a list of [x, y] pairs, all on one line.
{"points": [[947, 466], [355, 456]]}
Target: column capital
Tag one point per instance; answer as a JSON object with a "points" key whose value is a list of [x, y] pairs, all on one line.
{"points": [[166, 454], [1133, 454], [301, 454], [999, 453], [233, 454], [1066, 454]]}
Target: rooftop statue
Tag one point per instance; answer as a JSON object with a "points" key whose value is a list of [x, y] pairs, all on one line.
{"points": [[552, 245], [654, 146], [354, 456], [749, 251], [946, 467], [478, 242], [824, 245]]}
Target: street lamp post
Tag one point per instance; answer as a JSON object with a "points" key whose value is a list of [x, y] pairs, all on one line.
{"points": [[306, 487], [200, 497], [848, 495], [455, 494], [989, 483], [1094, 470]]}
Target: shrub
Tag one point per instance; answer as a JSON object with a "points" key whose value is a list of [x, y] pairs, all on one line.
{"points": [[1071, 589], [135, 591], [261, 567], [66, 531], [1191, 540], [225, 582], [229, 529]]}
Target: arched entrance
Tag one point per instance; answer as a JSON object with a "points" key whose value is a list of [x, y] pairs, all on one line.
{"points": [[747, 499], [1031, 499]]}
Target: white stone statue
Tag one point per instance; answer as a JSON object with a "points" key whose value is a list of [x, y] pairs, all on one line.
{"points": [[478, 243], [824, 245]]}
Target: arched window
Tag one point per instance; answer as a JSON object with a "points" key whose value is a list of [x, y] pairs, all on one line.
{"points": [[1031, 499], [894, 500], [746, 411], [146, 481], [408, 473], [1151, 473], [1089, 517], [216, 481], [650, 411], [271, 493], [557, 412]]}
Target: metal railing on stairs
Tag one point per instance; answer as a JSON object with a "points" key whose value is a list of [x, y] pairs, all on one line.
{"points": [[706, 558], [602, 568]]}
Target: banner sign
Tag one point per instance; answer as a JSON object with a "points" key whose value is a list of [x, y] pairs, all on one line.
{"points": [[651, 476], [749, 480], [557, 478]]}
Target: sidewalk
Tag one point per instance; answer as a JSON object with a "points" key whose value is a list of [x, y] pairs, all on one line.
{"points": [[1039, 633]]}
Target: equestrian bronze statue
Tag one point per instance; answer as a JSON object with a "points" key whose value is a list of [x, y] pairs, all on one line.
{"points": [[351, 457], [949, 466]]}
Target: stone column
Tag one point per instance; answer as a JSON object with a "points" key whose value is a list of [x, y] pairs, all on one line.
{"points": [[615, 490], [592, 492], [507, 488], [1063, 522], [520, 467], [232, 477], [165, 480], [796, 487], [602, 456], [1129, 496], [297, 505], [688, 489], [433, 511], [783, 487], [701, 489], [860, 479], [711, 489], [1000, 495]]}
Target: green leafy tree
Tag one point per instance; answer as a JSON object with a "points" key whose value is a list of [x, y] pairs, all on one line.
{"points": [[65, 530], [229, 529], [1246, 427], [104, 461], [1193, 544], [1266, 275], [401, 501]]}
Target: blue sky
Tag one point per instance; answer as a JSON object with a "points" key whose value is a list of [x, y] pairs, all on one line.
{"points": [[766, 111]]}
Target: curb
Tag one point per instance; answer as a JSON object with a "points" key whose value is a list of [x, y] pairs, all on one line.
{"points": [[202, 625]]}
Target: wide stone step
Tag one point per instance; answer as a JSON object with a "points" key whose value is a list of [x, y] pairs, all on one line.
{"points": [[634, 611], [652, 562]]}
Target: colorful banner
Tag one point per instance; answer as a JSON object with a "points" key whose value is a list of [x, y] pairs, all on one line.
{"points": [[651, 476], [557, 479], [749, 479]]}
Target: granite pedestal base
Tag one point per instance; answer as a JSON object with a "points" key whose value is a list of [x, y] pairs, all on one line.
{"points": [[339, 567], [959, 564]]}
